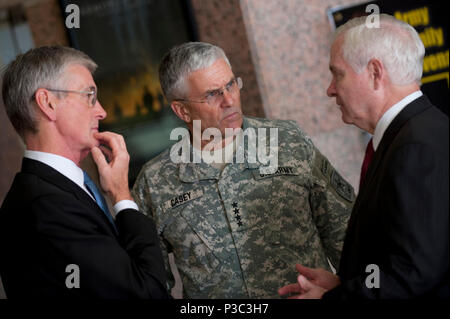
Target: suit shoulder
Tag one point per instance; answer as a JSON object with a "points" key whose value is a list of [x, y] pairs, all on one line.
{"points": [[28, 187], [29, 194], [429, 127]]}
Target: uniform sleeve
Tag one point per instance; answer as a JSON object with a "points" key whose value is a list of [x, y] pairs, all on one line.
{"points": [[331, 200], [142, 198]]}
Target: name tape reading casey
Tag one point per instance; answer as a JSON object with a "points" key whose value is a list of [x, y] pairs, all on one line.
{"points": [[183, 198]]}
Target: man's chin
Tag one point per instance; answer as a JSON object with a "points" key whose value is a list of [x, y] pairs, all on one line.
{"points": [[346, 119], [233, 121], [94, 143]]}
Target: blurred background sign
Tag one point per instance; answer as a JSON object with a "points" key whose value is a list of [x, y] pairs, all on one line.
{"points": [[429, 18]]}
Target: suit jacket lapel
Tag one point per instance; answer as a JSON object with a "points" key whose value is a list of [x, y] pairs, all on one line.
{"points": [[54, 177], [415, 107]]}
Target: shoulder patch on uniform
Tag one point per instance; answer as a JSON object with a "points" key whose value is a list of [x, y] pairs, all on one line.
{"points": [[322, 164], [325, 167], [341, 187], [183, 198]]}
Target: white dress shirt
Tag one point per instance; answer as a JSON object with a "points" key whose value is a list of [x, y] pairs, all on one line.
{"points": [[70, 170], [390, 115]]}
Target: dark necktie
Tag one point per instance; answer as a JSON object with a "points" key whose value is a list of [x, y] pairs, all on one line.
{"points": [[98, 197], [367, 159]]}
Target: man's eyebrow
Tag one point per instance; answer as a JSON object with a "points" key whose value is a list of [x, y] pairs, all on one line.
{"points": [[215, 90]]}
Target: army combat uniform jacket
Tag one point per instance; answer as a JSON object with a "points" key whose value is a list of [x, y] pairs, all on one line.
{"points": [[237, 233]]}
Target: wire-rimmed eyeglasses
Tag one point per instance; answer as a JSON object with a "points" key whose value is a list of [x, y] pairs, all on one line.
{"points": [[215, 97], [92, 94]]}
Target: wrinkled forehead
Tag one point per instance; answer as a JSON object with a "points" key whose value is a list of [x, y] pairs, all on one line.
{"points": [[336, 54], [336, 47], [76, 75], [213, 77]]}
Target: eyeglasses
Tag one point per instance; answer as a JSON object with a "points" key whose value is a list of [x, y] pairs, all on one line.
{"points": [[92, 94], [215, 97]]}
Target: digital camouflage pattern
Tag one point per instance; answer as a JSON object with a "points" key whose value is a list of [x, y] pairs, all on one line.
{"points": [[238, 233]]}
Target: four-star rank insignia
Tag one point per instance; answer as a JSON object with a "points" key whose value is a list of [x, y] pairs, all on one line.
{"points": [[237, 216]]}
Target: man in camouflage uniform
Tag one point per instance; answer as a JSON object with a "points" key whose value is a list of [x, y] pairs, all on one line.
{"points": [[236, 232]]}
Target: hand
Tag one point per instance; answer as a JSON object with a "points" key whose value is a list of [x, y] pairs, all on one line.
{"points": [[304, 288], [312, 283], [319, 277], [113, 175]]}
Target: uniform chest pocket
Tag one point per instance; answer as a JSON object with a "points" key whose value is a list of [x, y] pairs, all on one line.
{"points": [[189, 230], [286, 197], [283, 191]]}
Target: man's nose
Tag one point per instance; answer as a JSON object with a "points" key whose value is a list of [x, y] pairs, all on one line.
{"points": [[331, 91], [227, 99], [100, 110]]}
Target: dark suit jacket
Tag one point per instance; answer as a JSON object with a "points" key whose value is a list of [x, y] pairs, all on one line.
{"points": [[400, 217], [47, 222]]}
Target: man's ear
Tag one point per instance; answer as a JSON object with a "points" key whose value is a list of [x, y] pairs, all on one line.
{"points": [[181, 111], [377, 72], [46, 103]]}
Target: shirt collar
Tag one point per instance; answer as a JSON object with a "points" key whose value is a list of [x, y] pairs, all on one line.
{"points": [[389, 116], [63, 165]]}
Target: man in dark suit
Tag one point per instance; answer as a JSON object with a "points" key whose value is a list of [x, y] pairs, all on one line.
{"points": [[57, 236], [396, 244]]}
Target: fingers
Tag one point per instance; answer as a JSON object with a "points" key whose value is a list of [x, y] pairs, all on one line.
{"points": [[306, 271], [289, 289], [304, 289], [112, 137], [300, 289], [309, 290], [296, 297], [118, 150], [304, 283], [98, 157], [107, 152], [113, 174], [115, 141]]}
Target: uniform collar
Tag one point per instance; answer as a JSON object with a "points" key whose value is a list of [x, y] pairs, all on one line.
{"points": [[194, 172]]}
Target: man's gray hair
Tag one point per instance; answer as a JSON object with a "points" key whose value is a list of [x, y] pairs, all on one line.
{"points": [[37, 68], [395, 43], [181, 61]]}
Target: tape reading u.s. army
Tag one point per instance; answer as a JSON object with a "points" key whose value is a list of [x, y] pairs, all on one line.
{"points": [[280, 171], [183, 198]]}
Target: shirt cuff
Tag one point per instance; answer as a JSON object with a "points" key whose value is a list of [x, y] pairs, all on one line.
{"points": [[125, 204]]}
